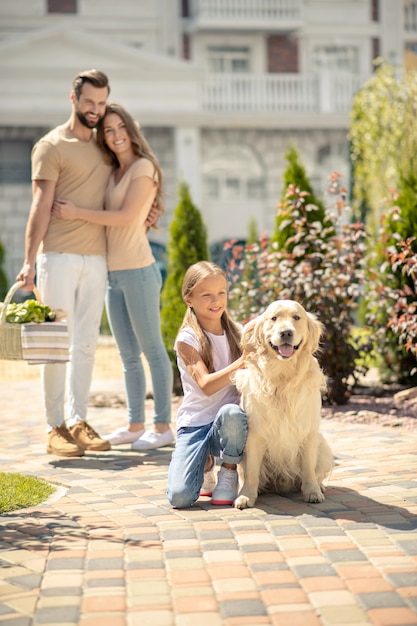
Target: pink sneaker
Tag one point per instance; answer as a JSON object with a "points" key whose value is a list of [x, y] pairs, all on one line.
{"points": [[209, 481]]}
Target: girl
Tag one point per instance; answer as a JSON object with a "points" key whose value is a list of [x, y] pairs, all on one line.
{"points": [[134, 279], [209, 421]]}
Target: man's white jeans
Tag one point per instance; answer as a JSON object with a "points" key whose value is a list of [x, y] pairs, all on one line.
{"points": [[77, 284]]}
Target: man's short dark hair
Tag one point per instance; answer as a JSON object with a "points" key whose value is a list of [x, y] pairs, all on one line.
{"points": [[94, 77]]}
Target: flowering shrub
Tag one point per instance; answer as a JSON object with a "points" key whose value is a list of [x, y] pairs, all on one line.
{"points": [[322, 267], [403, 320], [391, 299]]}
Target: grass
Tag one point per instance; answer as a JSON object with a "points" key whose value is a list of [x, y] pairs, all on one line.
{"points": [[19, 492]]}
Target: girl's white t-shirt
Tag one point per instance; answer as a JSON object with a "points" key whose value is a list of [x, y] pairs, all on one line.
{"points": [[197, 409]]}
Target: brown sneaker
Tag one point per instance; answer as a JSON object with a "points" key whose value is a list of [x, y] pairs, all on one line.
{"points": [[87, 438], [61, 443]]}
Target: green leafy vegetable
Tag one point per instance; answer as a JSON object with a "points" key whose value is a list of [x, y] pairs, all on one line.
{"points": [[29, 311]]}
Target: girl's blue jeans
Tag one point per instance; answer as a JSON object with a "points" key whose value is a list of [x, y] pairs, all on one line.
{"points": [[133, 305], [224, 438]]}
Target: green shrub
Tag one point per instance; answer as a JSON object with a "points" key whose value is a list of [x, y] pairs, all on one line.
{"points": [[391, 297], [323, 269], [187, 244], [297, 189]]}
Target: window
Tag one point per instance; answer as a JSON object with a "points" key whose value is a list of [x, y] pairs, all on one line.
{"points": [[256, 188], [337, 58], [15, 161], [62, 6], [228, 59], [233, 173], [211, 187]]}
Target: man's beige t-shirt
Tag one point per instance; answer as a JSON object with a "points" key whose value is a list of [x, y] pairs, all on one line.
{"points": [[81, 175], [128, 246]]}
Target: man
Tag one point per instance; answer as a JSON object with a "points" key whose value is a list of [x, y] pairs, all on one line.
{"points": [[71, 263]]}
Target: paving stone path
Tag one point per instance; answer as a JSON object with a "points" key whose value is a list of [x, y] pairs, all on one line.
{"points": [[108, 550]]}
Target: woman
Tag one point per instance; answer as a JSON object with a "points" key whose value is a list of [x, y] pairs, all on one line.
{"points": [[134, 279]]}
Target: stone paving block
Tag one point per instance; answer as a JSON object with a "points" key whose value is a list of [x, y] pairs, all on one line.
{"points": [[392, 616], [17, 620], [245, 608], [57, 615], [191, 619], [403, 579], [343, 616], [338, 597], [307, 571], [295, 617], [27, 581], [378, 600]]}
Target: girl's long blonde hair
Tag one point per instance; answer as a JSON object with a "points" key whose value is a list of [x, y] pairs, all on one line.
{"points": [[193, 276], [140, 147]]}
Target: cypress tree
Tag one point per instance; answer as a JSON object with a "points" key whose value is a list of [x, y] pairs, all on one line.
{"points": [[297, 187], [187, 244]]}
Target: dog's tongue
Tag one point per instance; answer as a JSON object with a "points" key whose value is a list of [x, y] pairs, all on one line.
{"points": [[286, 350]]}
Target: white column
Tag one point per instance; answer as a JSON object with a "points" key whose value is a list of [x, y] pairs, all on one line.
{"points": [[391, 20], [187, 161]]}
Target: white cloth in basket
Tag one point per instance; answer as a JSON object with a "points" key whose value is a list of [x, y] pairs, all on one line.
{"points": [[45, 343]]}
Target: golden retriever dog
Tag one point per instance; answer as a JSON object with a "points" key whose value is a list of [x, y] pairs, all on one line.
{"points": [[280, 391]]}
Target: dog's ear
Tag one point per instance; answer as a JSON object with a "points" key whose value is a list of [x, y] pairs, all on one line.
{"points": [[315, 331], [250, 335]]}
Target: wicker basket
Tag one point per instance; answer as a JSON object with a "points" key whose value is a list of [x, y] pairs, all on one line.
{"points": [[11, 334]]}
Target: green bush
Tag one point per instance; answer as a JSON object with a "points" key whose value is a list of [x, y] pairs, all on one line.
{"points": [[383, 138], [297, 189], [187, 244], [323, 269], [391, 296]]}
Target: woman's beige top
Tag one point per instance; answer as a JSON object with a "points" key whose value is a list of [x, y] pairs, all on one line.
{"points": [[128, 246]]}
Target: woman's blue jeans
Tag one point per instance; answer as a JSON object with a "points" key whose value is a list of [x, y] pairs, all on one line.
{"points": [[133, 305], [224, 438]]}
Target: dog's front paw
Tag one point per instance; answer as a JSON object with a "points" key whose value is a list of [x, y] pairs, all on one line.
{"points": [[244, 502], [316, 496]]}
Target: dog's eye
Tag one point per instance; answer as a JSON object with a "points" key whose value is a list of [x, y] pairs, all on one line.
{"points": [[274, 318], [297, 317]]}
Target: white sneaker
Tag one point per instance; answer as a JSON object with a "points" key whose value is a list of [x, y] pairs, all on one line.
{"points": [[209, 481], [226, 488], [123, 435], [151, 440]]}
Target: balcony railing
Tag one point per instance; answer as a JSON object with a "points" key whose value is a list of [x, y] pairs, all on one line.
{"points": [[285, 10], [280, 93]]}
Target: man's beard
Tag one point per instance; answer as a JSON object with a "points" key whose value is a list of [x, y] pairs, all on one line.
{"points": [[85, 122]]}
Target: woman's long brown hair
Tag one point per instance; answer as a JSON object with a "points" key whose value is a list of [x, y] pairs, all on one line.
{"points": [[140, 146]]}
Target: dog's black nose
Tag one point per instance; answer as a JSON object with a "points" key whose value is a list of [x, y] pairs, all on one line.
{"points": [[286, 335]]}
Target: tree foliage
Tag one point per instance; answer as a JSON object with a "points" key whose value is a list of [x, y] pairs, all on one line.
{"points": [[187, 244], [391, 292], [383, 135], [384, 151], [295, 180]]}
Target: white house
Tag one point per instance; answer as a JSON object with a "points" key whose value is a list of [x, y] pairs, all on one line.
{"points": [[220, 87]]}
